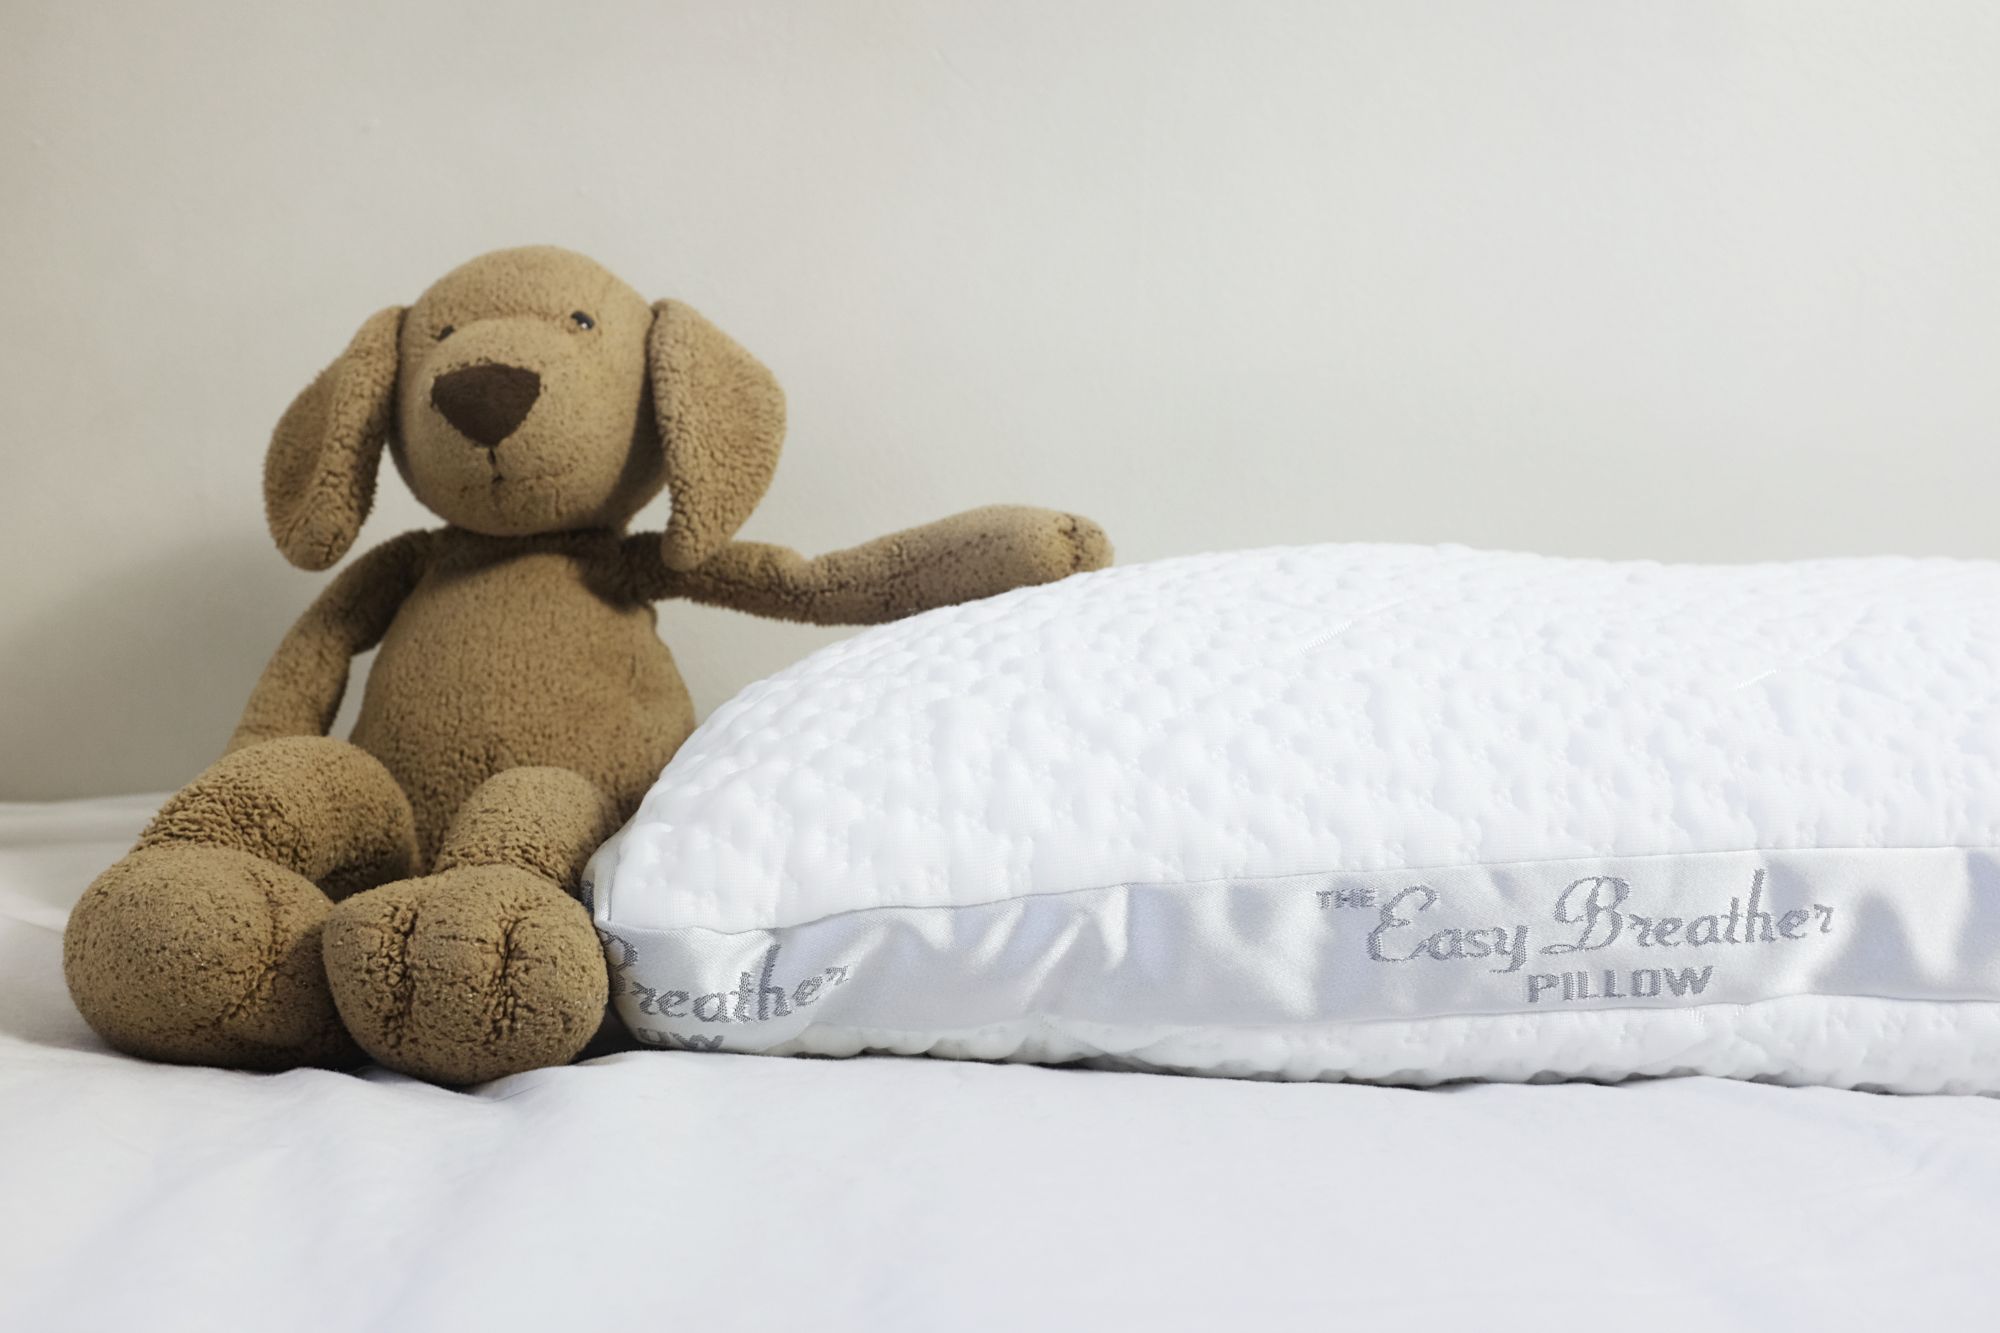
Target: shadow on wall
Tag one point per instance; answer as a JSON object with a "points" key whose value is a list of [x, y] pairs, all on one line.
{"points": [[152, 668]]}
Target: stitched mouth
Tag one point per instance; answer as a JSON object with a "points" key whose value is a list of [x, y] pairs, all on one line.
{"points": [[517, 483]]}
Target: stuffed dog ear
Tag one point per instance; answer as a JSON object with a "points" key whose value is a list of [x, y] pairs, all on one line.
{"points": [[721, 417], [319, 473]]}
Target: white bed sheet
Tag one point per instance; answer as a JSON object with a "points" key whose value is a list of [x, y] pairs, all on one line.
{"points": [[716, 1192]]}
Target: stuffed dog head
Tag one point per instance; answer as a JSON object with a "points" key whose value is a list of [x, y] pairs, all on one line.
{"points": [[529, 391]]}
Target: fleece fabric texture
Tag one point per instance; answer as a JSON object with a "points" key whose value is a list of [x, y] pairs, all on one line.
{"points": [[408, 894]]}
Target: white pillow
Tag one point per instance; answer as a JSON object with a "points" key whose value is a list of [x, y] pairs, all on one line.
{"points": [[1373, 812]]}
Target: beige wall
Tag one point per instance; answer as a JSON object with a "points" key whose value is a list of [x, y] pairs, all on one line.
{"points": [[1696, 280]]}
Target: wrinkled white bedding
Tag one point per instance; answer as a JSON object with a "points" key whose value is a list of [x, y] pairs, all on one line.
{"points": [[715, 1192]]}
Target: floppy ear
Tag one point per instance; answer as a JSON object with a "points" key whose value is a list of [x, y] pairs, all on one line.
{"points": [[721, 417], [319, 473]]}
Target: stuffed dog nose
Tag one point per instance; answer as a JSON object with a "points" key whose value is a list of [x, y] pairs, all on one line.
{"points": [[486, 403]]}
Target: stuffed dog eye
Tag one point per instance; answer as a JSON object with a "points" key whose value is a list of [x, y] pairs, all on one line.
{"points": [[446, 332], [582, 321]]}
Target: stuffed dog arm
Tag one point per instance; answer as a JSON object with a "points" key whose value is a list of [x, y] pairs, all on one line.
{"points": [[974, 554], [302, 685]]}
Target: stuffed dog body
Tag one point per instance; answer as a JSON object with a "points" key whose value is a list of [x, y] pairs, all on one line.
{"points": [[408, 894], [507, 652]]}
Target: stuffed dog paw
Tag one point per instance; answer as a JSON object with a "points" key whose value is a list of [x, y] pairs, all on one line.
{"points": [[409, 894]]}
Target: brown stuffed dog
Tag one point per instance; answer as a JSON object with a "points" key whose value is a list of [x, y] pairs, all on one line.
{"points": [[521, 701]]}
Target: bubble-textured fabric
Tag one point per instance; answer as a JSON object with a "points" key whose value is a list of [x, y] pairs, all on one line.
{"points": [[1392, 813]]}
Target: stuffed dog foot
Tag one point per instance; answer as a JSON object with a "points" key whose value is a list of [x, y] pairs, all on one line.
{"points": [[205, 955], [468, 975]]}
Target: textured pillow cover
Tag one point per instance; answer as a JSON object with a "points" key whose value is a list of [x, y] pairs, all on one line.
{"points": [[1393, 813]]}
